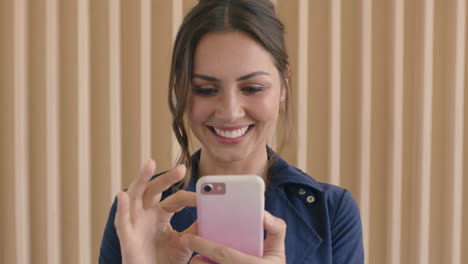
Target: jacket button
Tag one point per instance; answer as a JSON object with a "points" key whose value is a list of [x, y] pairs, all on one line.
{"points": [[310, 199], [302, 191]]}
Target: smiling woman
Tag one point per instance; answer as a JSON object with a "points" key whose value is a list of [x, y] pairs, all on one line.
{"points": [[255, 27], [229, 84]]}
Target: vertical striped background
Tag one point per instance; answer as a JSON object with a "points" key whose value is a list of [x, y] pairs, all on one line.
{"points": [[379, 108]]}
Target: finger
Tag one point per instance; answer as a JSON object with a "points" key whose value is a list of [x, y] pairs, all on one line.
{"points": [[162, 183], [276, 233], [215, 251], [179, 201], [138, 186], [122, 218]]}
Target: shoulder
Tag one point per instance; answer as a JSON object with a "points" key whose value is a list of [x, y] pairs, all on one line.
{"points": [[338, 200], [333, 203], [322, 215], [330, 210], [296, 181]]}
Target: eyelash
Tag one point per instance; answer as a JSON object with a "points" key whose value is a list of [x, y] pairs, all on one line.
{"points": [[252, 89], [249, 90], [204, 91]]}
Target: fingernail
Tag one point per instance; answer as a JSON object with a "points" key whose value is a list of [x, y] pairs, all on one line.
{"points": [[150, 166], [270, 218]]}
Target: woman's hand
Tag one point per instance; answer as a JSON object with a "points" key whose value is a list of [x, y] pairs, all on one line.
{"points": [[274, 252], [143, 223]]}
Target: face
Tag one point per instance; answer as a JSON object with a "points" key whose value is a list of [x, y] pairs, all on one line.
{"points": [[235, 96]]}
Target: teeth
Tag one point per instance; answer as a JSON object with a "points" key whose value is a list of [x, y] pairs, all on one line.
{"points": [[232, 133]]}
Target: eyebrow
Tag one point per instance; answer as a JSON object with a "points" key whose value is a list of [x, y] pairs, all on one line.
{"points": [[242, 78]]}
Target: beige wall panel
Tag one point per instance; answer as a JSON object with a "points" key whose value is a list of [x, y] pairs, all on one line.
{"points": [[131, 123], [53, 134], [43, 130], [302, 83], [380, 127], [7, 208], [318, 91], [161, 63], [145, 78], [287, 10], [453, 84], [395, 202], [69, 132], [412, 80], [455, 191], [365, 113], [444, 27], [464, 243], [115, 98], [100, 122], [350, 97], [37, 130], [335, 93], [20, 132], [84, 148], [424, 171]]}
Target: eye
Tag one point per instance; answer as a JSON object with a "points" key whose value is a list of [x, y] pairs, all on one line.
{"points": [[252, 89], [204, 91]]}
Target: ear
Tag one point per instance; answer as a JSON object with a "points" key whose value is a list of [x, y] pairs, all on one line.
{"points": [[286, 85]]}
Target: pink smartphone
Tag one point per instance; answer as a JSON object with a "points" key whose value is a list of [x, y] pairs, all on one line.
{"points": [[230, 211]]}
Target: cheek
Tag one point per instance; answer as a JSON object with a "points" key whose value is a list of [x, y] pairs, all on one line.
{"points": [[197, 111], [265, 111]]}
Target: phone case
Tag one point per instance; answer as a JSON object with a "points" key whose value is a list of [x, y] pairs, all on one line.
{"points": [[232, 216]]}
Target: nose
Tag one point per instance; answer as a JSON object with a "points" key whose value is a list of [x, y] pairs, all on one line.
{"points": [[230, 106]]}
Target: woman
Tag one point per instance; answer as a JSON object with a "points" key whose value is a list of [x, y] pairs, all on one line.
{"points": [[229, 83]]}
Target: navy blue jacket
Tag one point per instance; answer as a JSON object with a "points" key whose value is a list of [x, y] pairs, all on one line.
{"points": [[323, 220]]}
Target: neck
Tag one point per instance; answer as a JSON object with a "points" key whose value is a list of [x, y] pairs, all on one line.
{"points": [[255, 164]]}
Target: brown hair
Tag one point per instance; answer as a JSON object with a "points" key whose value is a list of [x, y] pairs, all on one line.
{"points": [[256, 18]]}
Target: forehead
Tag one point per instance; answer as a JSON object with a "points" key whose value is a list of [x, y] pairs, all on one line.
{"points": [[234, 52]]}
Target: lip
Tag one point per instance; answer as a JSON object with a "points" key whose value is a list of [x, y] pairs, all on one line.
{"points": [[229, 128], [230, 141]]}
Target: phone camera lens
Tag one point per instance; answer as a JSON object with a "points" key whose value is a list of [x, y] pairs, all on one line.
{"points": [[207, 188]]}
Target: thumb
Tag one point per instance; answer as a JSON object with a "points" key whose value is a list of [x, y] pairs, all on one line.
{"points": [[276, 233]]}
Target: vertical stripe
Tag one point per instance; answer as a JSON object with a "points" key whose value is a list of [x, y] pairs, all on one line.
{"points": [[424, 175], [84, 239], [115, 72], [21, 170], [335, 93], [396, 174], [457, 138], [177, 16], [302, 83], [145, 90], [275, 3], [366, 119], [52, 127]]}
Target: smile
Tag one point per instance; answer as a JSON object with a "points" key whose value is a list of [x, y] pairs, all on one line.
{"points": [[232, 132]]}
